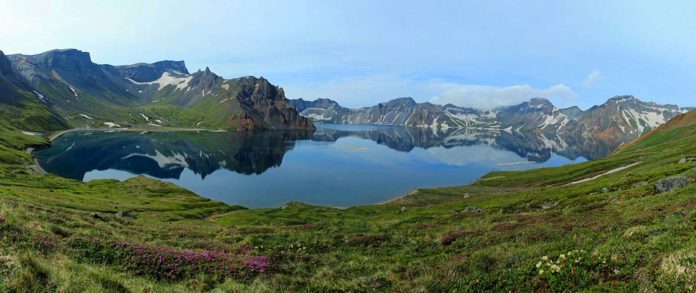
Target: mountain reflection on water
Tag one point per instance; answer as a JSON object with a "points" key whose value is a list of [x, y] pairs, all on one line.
{"points": [[321, 167]]}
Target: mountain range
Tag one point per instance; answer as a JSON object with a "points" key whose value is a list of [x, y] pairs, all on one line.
{"points": [[620, 119], [64, 88]]}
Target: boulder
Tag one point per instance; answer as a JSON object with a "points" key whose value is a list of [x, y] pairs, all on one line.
{"points": [[549, 204], [98, 217], [127, 214], [671, 183], [685, 160], [472, 210]]}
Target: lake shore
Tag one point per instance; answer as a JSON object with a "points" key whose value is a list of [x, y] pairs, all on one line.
{"points": [[55, 135]]}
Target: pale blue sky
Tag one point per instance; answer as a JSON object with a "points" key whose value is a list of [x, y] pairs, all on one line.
{"points": [[473, 53]]}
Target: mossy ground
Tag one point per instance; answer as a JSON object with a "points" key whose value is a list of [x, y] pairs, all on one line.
{"points": [[612, 233]]}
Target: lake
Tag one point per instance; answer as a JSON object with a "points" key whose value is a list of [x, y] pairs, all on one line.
{"points": [[336, 165]]}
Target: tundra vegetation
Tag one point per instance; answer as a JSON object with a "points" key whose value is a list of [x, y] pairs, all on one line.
{"points": [[510, 231]]}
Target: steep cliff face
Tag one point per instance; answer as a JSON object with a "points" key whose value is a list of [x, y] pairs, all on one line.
{"points": [[266, 103]]}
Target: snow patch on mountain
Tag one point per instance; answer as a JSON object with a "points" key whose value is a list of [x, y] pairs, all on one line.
{"points": [[41, 97], [166, 79], [74, 91]]}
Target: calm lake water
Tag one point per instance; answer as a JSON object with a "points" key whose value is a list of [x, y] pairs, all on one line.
{"points": [[336, 165]]}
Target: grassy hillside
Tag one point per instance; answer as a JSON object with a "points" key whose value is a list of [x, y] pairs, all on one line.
{"points": [[511, 231], [22, 108]]}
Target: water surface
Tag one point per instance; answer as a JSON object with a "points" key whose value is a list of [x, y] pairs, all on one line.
{"points": [[336, 165]]}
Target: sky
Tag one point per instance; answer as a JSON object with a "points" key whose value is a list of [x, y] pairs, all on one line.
{"points": [[470, 53]]}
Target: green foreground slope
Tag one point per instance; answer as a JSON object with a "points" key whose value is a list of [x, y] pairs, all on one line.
{"points": [[511, 231]]}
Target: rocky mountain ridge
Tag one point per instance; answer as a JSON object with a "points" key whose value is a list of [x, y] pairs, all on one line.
{"points": [[164, 93], [620, 119]]}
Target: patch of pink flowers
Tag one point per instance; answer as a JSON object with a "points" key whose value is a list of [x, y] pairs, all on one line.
{"points": [[173, 264], [257, 264]]}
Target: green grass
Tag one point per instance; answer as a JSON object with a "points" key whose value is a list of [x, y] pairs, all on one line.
{"points": [[489, 236]]}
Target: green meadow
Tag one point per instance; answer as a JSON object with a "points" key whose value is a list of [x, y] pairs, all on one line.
{"points": [[509, 232]]}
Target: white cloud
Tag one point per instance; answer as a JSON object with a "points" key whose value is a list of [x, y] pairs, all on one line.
{"points": [[487, 97], [592, 78]]}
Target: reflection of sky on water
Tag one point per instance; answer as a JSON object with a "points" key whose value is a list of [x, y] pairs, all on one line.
{"points": [[350, 171]]}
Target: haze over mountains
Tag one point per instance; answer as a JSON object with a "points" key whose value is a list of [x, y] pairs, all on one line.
{"points": [[620, 119], [62, 88]]}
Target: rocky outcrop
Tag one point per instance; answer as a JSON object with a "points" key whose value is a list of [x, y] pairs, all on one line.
{"points": [[670, 184], [267, 104]]}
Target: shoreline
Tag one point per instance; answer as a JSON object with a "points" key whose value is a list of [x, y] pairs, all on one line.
{"points": [[52, 136], [55, 135], [412, 192]]}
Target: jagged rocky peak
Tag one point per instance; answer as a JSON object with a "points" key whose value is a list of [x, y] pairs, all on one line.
{"points": [[146, 72], [205, 80], [400, 102]]}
